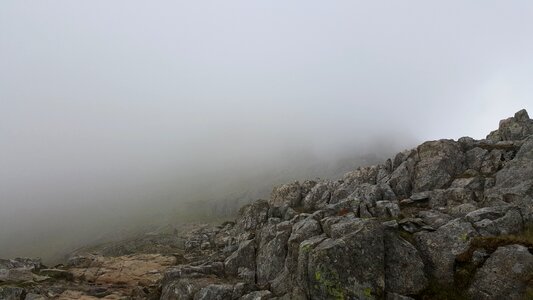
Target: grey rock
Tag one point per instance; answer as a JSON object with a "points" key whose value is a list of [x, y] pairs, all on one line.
{"points": [[401, 179], [185, 271], [461, 210], [439, 248], [32, 296], [21, 263], [301, 231], [401, 157], [505, 274], [440, 161], [15, 275], [182, 289], [394, 296], [302, 271], [387, 209], [11, 293], [272, 251], [57, 274], [514, 128], [257, 295], [475, 158], [451, 197], [243, 257], [496, 220], [404, 269], [328, 274], [215, 292], [413, 225], [362, 175], [434, 218], [287, 194], [252, 216], [319, 196]]}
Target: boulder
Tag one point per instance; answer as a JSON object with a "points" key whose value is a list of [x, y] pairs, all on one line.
{"points": [[252, 216], [439, 248], [11, 293], [319, 196], [257, 295], [496, 220], [302, 271], [513, 128], [182, 289], [215, 292], [505, 275], [243, 257], [328, 274], [401, 179], [404, 269], [440, 161], [287, 194], [272, 251]]}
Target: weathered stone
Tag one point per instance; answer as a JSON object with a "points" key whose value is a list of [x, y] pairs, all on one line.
{"points": [[514, 128], [440, 161], [32, 296], [11, 293], [401, 179], [475, 158], [328, 274], [302, 273], [182, 289], [21, 263], [319, 196], [394, 296], [451, 197], [15, 275], [404, 269], [301, 231], [257, 295], [287, 194], [413, 225], [57, 274], [387, 209], [215, 292], [272, 251], [461, 210], [439, 248], [496, 220], [434, 218], [252, 216], [505, 275], [243, 257]]}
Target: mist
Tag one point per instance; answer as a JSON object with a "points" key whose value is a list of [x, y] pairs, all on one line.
{"points": [[118, 115]]}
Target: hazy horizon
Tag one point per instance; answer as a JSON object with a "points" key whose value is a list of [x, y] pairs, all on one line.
{"points": [[112, 112]]}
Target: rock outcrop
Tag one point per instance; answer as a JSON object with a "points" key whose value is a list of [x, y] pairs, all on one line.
{"points": [[445, 220]]}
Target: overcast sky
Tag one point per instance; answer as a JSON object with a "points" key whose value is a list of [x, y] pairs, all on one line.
{"points": [[103, 96]]}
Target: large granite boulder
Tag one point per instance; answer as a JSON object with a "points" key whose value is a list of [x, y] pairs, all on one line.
{"points": [[439, 248], [330, 274], [404, 268], [272, 251], [243, 257], [439, 162], [505, 275], [513, 128], [289, 194]]}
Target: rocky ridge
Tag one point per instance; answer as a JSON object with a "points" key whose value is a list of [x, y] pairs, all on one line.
{"points": [[445, 220]]}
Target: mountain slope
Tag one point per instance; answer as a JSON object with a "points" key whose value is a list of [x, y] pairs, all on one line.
{"points": [[445, 220]]}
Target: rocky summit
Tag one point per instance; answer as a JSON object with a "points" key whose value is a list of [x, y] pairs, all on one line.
{"points": [[445, 220]]}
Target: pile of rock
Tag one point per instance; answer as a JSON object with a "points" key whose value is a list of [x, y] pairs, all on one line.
{"points": [[447, 219]]}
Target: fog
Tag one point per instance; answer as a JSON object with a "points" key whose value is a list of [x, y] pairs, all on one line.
{"points": [[117, 115]]}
